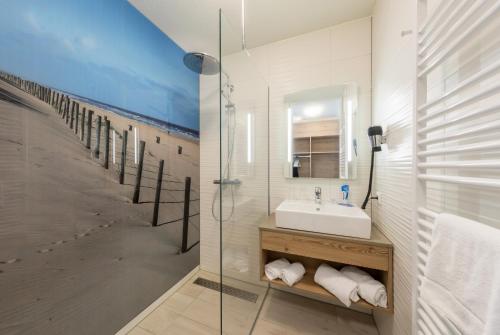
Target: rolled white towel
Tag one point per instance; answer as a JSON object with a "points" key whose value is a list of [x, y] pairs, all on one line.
{"points": [[274, 269], [370, 289], [293, 273], [333, 281]]}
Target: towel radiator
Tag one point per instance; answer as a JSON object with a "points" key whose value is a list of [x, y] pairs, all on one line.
{"points": [[457, 117]]}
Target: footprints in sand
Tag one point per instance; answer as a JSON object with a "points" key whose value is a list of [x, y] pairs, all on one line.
{"points": [[84, 234], [13, 260], [78, 236], [62, 242], [9, 261]]}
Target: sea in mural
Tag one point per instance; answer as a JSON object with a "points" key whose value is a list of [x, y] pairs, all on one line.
{"points": [[103, 52]]}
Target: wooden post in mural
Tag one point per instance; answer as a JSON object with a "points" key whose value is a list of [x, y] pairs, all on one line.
{"points": [[82, 133], [77, 116], [138, 175], [158, 194], [185, 219], [67, 109], [73, 104], [107, 127], [97, 136], [60, 104], [124, 156], [89, 128]]}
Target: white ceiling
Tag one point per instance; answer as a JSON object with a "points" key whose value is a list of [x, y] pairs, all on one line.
{"points": [[193, 24]]}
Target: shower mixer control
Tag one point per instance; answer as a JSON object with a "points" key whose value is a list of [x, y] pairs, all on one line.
{"points": [[227, 182]]}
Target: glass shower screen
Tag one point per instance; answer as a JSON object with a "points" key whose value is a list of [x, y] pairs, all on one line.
{"points": [[242, 200]]}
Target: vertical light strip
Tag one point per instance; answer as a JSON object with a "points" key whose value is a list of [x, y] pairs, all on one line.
{"points": [[289, 136], [114, 147], [243, 42], [249, 138], [135, 146], [349, 130]]}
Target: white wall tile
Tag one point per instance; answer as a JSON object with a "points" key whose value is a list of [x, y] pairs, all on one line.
{"points": [[393, 106], [351, 39]]}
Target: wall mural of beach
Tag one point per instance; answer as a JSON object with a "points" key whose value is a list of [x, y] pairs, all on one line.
{"points": [[104, 52], [99, 169]]}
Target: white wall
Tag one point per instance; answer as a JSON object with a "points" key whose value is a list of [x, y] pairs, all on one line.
{"points": [[393, 105]]}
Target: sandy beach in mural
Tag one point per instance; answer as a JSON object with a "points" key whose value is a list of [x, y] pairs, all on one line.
{"points": [[75, 252], [186, 164]]}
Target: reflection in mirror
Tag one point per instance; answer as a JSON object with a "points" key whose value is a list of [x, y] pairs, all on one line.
{"points": [[322, 132]]}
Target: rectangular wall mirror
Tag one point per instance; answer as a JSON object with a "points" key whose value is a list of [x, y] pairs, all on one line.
{"points": [[322, 132]]}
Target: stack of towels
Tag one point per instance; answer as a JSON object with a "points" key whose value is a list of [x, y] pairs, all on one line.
{"points": [[282, 269], [350, 283]]}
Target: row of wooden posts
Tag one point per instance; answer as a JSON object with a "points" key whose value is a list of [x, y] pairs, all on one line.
{"points": [[75, 120]]}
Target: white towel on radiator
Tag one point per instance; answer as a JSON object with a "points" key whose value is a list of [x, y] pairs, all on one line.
{"points": [[274, 270], [492, 325], [344, 288], [462, 275], [293, 273], [370, 289]]}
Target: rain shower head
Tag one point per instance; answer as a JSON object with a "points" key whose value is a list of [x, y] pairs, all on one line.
{"points": [[201, 63]]}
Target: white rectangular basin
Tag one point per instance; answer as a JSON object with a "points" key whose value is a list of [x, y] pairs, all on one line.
{"points": [[327, 218]]}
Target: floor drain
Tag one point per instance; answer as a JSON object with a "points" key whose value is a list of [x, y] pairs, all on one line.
{"points": [[226, 289]]}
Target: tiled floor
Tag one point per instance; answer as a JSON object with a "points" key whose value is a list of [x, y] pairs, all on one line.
{"points": [[195, 310]]}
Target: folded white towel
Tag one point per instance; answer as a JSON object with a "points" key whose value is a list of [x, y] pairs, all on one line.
{"points": [[333, 281], [370, 289], [274, 269], [293, 273], [461, 279]]}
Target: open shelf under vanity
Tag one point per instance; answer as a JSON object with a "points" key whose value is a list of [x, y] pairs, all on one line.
{"points": [[373, 255]]}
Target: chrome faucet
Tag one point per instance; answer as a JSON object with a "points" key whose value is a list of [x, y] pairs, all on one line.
{"points": [[317, 195]]}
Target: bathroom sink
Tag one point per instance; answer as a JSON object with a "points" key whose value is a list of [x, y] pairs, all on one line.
{"points": [[327, 218]]}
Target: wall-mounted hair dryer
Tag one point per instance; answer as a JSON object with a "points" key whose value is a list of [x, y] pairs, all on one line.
{"points": [[376, 135]]}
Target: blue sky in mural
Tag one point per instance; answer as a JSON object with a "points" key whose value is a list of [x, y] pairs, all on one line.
{"points": [[104, 50]]}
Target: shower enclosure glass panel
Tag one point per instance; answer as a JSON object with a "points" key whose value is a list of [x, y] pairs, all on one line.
{"points": [[242, 195]]}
